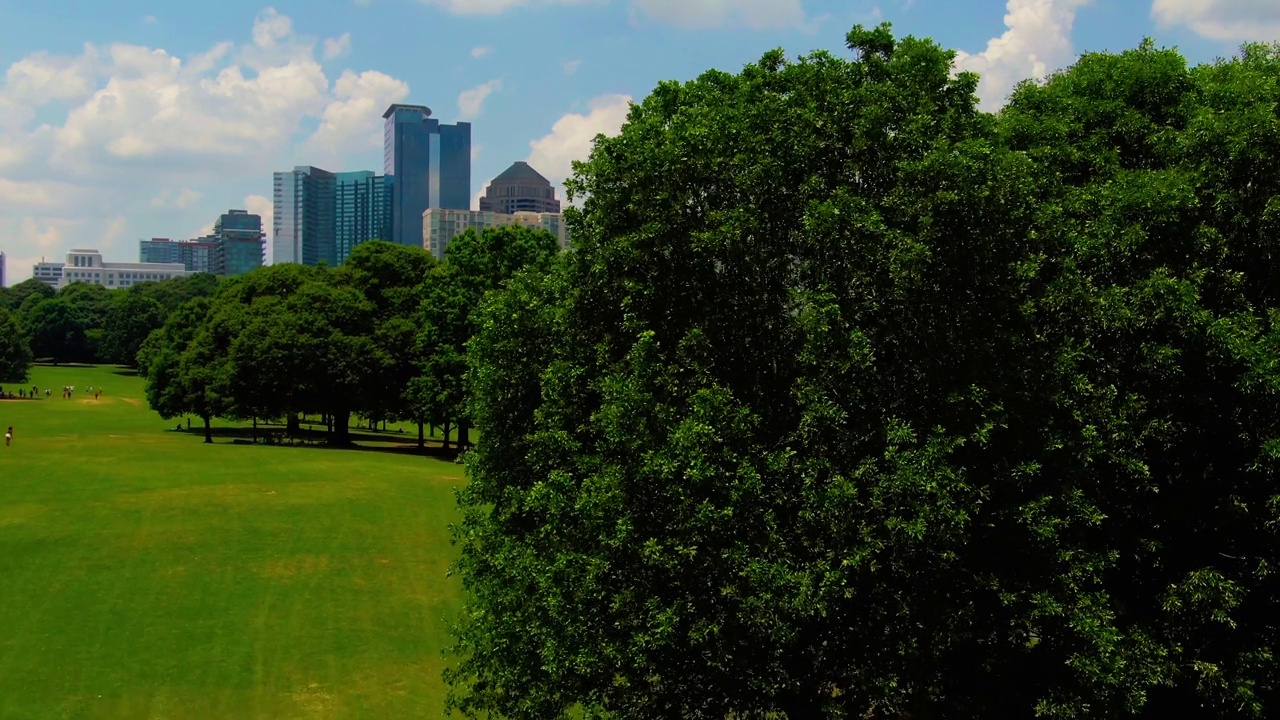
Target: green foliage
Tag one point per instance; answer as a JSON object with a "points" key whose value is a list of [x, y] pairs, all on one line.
{"points": [[853, 401], [475, 264], [15, 355], [131, 318], [56, 328]]}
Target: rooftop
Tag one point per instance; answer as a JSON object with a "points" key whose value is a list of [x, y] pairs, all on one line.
{"points": [[521, 171], [426, 111]]}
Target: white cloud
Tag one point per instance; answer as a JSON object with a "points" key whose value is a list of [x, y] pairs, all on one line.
{"points": [[471, 101], [572, 66], [337, 47], [479, 52], [186, 198], [1226, 20], [112, 233], [150, 20], [570, 137], [476, 149], [1037, 42], [701, 14], [149, 134], [350, 121]]}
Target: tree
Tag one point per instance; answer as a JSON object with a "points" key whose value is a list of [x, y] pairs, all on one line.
{"points": [[391, 277], [130, 320], [853, 401], [19, 293], [56, 329], [475, 264], [181, 367], [15, 355]]}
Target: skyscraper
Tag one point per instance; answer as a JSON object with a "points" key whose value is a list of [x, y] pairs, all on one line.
{"points": [[520, 188], [304, 201], [2, 270], [238, 242], [362, 211], [195, 255], [430, 164]]}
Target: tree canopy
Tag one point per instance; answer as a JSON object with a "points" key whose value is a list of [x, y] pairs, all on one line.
{"points": [[855, 401]]}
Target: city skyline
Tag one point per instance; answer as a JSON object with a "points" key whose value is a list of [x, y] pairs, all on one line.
{"points": [[118, 124]]}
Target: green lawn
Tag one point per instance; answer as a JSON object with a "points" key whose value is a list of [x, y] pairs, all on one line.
{"points": [[144, 574]]}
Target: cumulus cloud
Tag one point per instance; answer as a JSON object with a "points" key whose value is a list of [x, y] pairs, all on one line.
{"points": [[337, 47], [1037, 41], [349, 122], [572, 66], [471, 101], [141, 130], [479, 52], [1228, 20], [570, 137]]}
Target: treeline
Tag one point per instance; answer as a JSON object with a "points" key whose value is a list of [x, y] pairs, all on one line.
{"points": [[86, 323], [383, 337]]}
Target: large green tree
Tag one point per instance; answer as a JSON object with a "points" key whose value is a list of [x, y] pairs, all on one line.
{"points": [[854, 401], [15, 354], [56, 328], [175, 385], [475, 263], [131, 318]]}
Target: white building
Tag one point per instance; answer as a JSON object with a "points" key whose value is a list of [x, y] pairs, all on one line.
{"points": [[88, 266], [440, 227], [49, 273]]}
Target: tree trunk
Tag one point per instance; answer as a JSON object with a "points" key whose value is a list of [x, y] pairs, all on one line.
{"points": [[421, 440], [384, 426], [291, 424], [208, 431], [339, 430], [464, 433], [255, 429], [447, 427]]}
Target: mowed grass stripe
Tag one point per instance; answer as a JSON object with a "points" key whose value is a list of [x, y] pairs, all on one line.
{"points": [[144, 574]]}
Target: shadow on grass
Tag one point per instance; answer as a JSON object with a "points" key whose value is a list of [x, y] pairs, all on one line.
{"points": [[125, 372], [359, 440]]}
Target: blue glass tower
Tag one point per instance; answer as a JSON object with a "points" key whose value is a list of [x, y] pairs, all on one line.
{"points": [[430, 164], [362, 212]]}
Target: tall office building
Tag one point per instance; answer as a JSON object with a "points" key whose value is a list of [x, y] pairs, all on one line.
{"points": [[430, 164], [520, 188], [304, 201], [238, 243], [2, 270], [195, 255], [362, 211]]}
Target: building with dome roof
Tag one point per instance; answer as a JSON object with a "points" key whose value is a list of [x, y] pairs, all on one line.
{"points": [[520, 188]]}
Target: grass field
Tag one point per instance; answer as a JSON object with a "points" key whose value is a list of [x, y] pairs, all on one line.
{"points": [[144, 574]]}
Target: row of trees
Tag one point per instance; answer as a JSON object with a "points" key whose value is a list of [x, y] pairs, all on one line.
{"points": [[854, 401], [384, 336], [86, 323]]}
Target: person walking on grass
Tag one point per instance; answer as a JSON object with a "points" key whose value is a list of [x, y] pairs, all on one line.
{"points": [[8, 436]]}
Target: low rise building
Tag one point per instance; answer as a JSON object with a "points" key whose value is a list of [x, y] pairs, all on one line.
{"points": [[88, 266], [49, 273], [195, 255], [440, 227]]}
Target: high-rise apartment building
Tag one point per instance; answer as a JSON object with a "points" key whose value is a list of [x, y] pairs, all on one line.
{"points": [[440, 227], [304, 201], [362, 211], [430, 167], [520, 188], [238, 245], [2, 276], [195, 255]]}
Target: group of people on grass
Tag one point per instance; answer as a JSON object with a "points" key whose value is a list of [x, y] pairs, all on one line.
{"points": [[23, 393]]}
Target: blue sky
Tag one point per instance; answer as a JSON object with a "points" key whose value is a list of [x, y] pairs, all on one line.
{"points": [[138, 118]]}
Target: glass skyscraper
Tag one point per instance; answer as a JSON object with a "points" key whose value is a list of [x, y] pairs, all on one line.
{"points": [[430, 164], [238, 243], [304, 201], [362, 211]]}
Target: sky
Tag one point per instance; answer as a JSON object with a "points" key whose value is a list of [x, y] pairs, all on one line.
{"points": [[140, 118]]}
